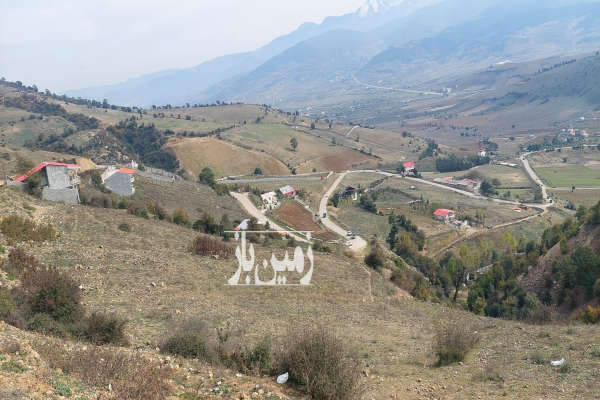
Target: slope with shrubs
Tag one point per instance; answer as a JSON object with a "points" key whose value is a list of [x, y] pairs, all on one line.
{"points": [[150, 277]]}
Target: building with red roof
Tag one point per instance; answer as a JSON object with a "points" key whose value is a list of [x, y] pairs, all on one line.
{"points": [[58, 181], [444, 214]]}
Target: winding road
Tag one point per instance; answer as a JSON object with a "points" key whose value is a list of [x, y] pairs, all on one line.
{"points": [[358, 244]]}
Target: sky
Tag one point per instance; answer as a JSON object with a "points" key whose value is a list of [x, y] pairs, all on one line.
{"points": [[72, 44]]}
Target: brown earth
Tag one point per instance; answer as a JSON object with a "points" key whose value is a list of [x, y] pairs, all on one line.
{"points": [[223, 157], [299, 218], [340, 161]]}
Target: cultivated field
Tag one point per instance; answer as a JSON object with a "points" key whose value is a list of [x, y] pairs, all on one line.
{"points": [[224, 158], [301, 219], [569, 175], [579, 196]]}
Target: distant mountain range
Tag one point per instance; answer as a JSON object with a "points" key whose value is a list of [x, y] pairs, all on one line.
{"points": [[405, 44]]}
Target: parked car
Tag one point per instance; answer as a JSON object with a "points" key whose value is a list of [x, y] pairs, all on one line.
{"points": [[349, 243]]}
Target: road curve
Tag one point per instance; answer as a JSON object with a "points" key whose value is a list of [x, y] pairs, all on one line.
{"points": [[358, 243], [251, 209]]}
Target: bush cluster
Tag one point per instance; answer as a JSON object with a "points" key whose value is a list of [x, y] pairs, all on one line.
{"points": [[453, 341], [318, 361], [131, 375], [19, 229], [210, 246], [49, 301]]}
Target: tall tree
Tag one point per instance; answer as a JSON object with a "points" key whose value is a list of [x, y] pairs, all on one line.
{"points": [[294, 143]]}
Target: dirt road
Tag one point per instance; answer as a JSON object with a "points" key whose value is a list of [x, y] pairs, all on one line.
{"points": [[251, 209], [358, 244]]}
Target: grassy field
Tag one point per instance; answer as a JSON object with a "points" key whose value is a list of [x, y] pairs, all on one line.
{"points": [[223, 157], [180, 125], [15, 133], [579, 196], [369, 224], [509, 177], [569, 175], [194, 198], [396, 343]]}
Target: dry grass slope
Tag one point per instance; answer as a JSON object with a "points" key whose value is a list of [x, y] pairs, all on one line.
{"points": [[395, 338]]}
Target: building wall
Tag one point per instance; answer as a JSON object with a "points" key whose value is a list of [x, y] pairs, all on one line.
{"points": [[120, 183], [66, 195], [57, 176]]}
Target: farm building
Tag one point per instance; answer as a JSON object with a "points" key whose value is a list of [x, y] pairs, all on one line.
{"points": [[445, 215], [467, 184], [287, 191], [409, 167], [350, 193], [59, 181], [119, 181]]}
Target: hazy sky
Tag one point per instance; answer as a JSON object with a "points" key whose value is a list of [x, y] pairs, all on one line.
{"points": [[69, 44]]}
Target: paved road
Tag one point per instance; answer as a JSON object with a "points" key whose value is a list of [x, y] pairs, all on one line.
{"points": [[397, 89], [251, 209], [534, 176], [352, 130], [358, 243]]}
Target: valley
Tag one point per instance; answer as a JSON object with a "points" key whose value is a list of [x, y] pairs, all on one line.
{"points": [[401, 202]]}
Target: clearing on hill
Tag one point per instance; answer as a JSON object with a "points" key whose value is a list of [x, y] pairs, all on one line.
{"points": [[224, 158]]}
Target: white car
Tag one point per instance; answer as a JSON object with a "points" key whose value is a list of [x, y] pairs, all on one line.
{"points": [[349, 243]]}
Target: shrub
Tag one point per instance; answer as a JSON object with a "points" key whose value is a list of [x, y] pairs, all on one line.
{"points": [[132, 376], [13, 366], [376, 258], [208, 246], [597, 289], [19, 229], [189, 340], [7, 305], [590, 315], [158, 212], [19, 262], [124, 227], [103, 329], [452, 342], [539, 358], [322, 364], [138, 210], [180, 217], [44, 324], [54, 293]]}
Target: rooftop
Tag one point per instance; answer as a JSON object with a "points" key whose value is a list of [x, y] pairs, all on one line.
{"points": [[442, 212], [42, 166]]}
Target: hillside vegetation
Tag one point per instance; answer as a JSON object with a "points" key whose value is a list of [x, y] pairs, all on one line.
{"points": [[147, 276]]}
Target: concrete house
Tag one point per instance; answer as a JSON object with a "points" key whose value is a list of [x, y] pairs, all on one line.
{"points": [[119, 181], [59, 181]]}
